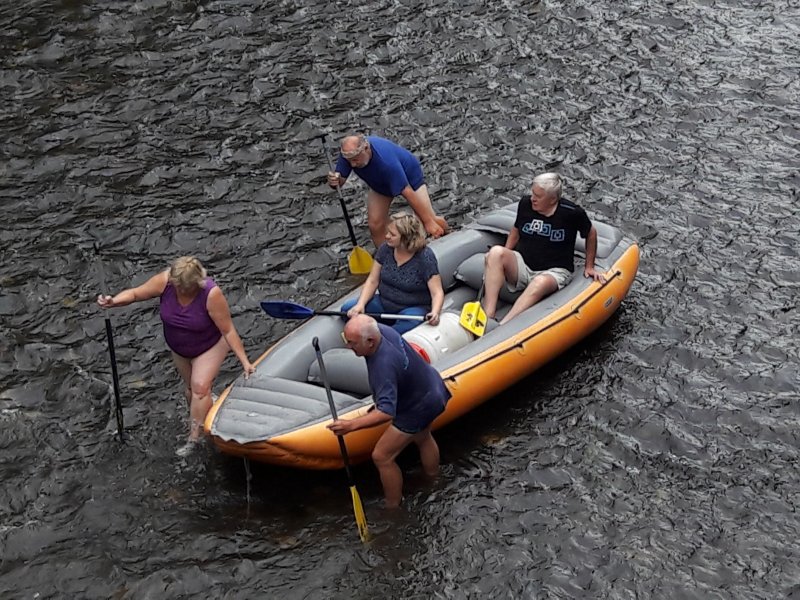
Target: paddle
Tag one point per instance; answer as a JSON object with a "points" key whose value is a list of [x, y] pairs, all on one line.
{"points": [[359, 260], [290, 310], [112, 353], [115, 377], [473, 317], [358, 509]]}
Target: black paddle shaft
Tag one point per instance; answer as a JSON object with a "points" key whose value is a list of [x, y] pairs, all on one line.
{"points": [[341, 196], [111, 352], [115, 378], [290, 310], [324, 375]]}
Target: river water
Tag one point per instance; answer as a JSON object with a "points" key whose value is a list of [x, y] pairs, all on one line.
{"points": [[658, 459]]}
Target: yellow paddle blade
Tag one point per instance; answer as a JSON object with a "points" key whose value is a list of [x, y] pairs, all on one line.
{"points": [[359, 261], [473, 318], [361, 518]]}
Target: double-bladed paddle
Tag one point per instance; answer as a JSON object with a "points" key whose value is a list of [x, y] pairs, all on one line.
{"points": [[359, 260], [290, 310], [358, 508]]}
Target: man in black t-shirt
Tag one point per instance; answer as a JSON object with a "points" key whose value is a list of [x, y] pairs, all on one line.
{"points": [[538, 255]]}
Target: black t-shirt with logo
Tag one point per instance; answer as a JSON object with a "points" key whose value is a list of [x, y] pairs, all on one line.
{"points": [[549, 242]]}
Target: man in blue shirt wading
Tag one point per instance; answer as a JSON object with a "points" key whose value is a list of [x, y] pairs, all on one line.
{"points": [[408, 393], [389, 170]]}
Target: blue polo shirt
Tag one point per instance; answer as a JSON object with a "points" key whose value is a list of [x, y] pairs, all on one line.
{"points": [[403, 385], [390, 169]]}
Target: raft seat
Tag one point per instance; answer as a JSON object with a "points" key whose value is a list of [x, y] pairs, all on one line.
{"points": [[263, 407], [346, 372], [608, 238], [470, 273]]}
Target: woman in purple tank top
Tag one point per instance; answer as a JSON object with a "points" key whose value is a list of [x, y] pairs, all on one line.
{"points": [[197, 327]]}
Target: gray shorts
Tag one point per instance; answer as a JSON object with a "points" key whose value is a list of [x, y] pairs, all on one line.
{"points": [[526, 275]]}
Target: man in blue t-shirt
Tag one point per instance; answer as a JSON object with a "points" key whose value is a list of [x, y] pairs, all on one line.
{"points": [[408, 393], [389, 170], [538, 255]]}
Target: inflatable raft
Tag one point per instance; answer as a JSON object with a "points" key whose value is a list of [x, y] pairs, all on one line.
{"points": [[279, 414]]}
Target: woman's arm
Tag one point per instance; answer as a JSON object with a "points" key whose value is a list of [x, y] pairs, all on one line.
{"points": [[437, 299], [368, 291], [220, 313], [149, 289]]}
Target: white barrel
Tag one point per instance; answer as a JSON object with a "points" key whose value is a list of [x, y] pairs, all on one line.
{"points": [[438, 340]]}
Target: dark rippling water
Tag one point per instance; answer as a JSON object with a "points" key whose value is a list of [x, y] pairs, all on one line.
{"points": [[659, 459]]}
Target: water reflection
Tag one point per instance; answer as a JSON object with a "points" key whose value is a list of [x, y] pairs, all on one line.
{"points": [[658, 459]]}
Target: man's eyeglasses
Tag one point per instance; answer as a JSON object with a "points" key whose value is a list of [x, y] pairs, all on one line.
{"points": [[354, 153], [345, 340]]}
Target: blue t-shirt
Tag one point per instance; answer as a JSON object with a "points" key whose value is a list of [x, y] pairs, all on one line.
{"points": [[549, 242], [403, 385], [407, 284], [390, 169]]}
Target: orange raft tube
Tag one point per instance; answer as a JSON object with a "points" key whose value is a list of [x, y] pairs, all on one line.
{"points": [[474, 373]]}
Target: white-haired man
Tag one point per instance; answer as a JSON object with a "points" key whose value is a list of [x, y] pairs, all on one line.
{"points": [[538, 256]]}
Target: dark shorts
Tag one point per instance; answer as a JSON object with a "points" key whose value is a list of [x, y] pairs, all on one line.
{"points": [[190, 350], [414, 423], [410, 429]]}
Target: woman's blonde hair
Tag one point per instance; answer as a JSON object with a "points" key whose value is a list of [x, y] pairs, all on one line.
{"points": [[411, 230], [187, 273]]}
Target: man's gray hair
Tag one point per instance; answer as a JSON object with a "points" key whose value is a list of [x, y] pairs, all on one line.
{"points": [[550, 183]]}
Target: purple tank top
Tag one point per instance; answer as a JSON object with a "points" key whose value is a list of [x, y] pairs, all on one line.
{"points": [[189, 330]]}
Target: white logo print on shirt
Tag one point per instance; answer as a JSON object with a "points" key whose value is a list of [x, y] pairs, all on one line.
{"points": [[539, 227]]}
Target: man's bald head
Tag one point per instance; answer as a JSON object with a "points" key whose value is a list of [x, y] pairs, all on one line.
{"points": [[363, 335]]}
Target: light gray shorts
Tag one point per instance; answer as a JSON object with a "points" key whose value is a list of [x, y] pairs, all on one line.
{"points": [[526, 275]]}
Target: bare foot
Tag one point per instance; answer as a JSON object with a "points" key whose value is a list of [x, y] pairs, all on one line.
{"points": [[188, 447]]}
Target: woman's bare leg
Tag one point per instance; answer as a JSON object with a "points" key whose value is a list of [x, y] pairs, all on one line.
{"points": [[184, 367], [205, 369]]}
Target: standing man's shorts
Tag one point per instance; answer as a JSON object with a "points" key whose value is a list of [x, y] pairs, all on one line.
{"points": [[525, 275]]}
